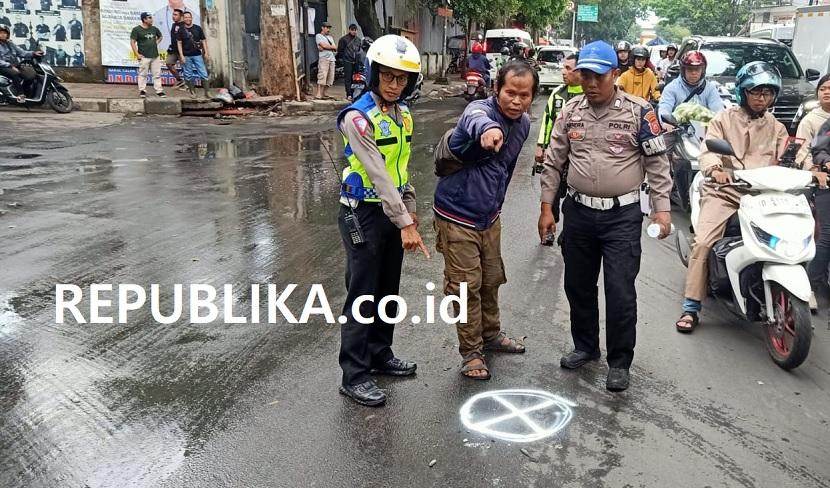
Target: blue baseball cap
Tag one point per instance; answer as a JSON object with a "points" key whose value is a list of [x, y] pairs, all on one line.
{"points": [[598, 57]]}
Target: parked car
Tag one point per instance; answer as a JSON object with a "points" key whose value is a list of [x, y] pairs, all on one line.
{"points": [[726, 55], [550, 59]]}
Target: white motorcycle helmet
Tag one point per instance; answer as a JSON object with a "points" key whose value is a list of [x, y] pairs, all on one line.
{"points": [[394, 52]]}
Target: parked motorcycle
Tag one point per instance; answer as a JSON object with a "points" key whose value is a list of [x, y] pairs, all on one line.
{"points": [[476, 87], [46, 88], [758, 268], [358, 84]]}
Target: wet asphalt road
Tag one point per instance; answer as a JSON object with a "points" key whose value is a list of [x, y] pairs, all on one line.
{"points": [[93, 198]]}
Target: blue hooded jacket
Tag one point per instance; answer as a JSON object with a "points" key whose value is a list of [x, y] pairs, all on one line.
{"points": [[473, 196], [677, 91]]}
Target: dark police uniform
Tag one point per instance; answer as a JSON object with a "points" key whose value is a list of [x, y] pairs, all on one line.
{"points": [[610, 150]]}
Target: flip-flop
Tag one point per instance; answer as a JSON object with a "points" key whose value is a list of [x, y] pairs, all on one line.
{"points": [[691, 324]]}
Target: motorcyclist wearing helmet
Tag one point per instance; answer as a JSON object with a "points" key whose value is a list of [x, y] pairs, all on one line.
{"points": [[691, 86], [623, 49], [503, 59], [519, 51], [663, 65], [377, 130], [758, 140], [10, 57], [478, 62], [640, 80]]}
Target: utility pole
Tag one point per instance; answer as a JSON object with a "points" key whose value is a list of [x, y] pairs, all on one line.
{"points": [[442, 78], [276, 55]]}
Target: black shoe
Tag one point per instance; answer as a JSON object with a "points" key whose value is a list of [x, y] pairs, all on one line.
{"points": [[161, 94], [142, 94], [617, 379], [396, 367], [366, 393], [577, 359]]}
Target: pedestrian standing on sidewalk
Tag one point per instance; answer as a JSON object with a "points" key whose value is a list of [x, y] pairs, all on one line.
{"points": [[145, 39], [376, 194], [348, 52], [611, 141], [486, 142], [173, 62], [326, 60], [193, 51]]}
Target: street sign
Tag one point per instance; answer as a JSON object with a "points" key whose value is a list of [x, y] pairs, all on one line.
{"points": [[587, 13], [444, 12]]}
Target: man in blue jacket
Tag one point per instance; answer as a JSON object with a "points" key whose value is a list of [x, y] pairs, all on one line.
{"points": [[487, 140], [691, 86]]}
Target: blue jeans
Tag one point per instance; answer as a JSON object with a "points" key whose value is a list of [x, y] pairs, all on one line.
{"points": [[194, 68]]}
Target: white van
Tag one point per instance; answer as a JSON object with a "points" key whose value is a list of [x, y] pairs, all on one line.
{"points": [[496, 39]]}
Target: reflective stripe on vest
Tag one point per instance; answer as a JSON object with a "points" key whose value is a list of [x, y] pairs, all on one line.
{"points": [[393, 142]]}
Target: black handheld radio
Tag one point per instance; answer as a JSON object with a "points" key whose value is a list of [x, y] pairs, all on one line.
{"points": [[351, 221]]}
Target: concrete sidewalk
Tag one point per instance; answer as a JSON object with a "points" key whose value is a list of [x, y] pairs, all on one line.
{"points": [[104, 97]]}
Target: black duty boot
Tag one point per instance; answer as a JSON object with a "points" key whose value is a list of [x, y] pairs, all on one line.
{"points": [[617, 379], [577, 359], [366, 393]]}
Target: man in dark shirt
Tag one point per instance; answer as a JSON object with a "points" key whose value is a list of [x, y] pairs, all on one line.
{"points": [[173, 51], [5, 21], [69, 3], [348, 48], [18, 4], [78, 57], [60, 32], [75, 28], [20, 29], [193, 51], [43, 31], [61, 57], [45, 5]]}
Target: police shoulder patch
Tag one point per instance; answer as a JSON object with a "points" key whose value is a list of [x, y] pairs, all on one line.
{"points": [[361, 124], [557, 103], [653, 125]]}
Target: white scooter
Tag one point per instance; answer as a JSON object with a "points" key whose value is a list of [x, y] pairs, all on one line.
{"points": [[758, 269]]}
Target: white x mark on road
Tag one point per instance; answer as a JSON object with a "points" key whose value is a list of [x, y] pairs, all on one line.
{"points": [[560, 414]]}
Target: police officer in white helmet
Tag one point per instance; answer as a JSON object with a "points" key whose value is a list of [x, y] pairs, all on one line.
{"points": [[377, 214]]}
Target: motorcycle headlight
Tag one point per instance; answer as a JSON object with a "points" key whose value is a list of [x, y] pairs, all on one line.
{"points": [[787, 248]]}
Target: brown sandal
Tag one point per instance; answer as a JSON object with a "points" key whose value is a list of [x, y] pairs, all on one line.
{"points": [[466, 367], [687, 325], [496, 344]]}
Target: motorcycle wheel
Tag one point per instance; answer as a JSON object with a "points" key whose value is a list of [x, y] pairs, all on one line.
{"points": [[788, 337], [683, 246], [59, 101]]}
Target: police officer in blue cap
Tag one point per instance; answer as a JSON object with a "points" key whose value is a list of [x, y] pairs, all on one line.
{"points": [[610, 141]]}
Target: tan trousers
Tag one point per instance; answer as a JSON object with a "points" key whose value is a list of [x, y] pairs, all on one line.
{"points": [[716, 207], [149, 65], [473, 257]]}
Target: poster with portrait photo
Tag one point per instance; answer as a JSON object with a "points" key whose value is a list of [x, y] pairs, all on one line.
{"points": [[52, 26], [118, 17]]}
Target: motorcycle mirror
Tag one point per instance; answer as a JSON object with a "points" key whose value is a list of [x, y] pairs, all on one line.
{"points": [[720, 146]]}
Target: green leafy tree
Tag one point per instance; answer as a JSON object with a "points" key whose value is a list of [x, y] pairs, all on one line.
{"points": [[615, 19], [704, 17], [538, 14], [672, 33]]}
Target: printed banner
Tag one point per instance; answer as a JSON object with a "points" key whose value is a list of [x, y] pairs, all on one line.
{"points": [[56, 27], [119, 17]]}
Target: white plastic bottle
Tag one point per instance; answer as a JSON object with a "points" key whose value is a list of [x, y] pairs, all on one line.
{"points": [[653, 230]]}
